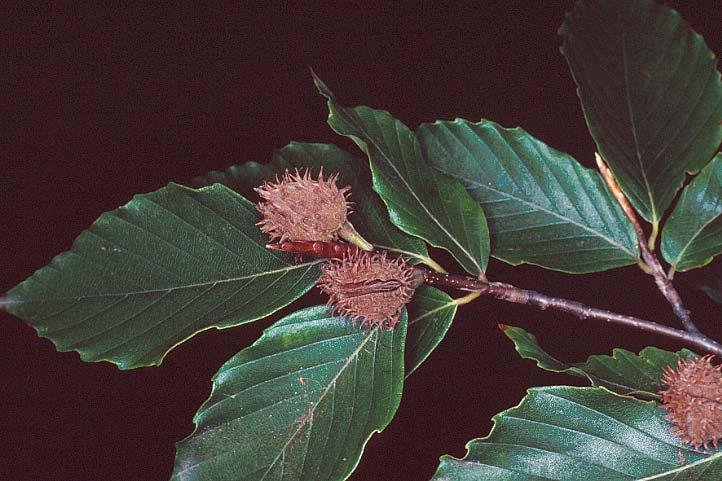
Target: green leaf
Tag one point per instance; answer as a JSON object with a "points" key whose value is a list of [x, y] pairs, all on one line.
{"points": [[542, 207], [242, 178], [707, 280], [369, 215], [420, 201], [651, 95], [151, 274], [580, 434], [623, 372], [692, 235], [299, 404], [430, 314]]}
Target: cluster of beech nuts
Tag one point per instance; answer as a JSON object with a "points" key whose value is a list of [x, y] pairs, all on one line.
{"points": [[371, 288], [367, 287]]}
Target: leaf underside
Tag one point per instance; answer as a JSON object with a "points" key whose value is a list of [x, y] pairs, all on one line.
{"points": [[541, 205], [623, 372], [420, 201], [299, 404], [692, 235], [650, 92], [563, 433], [151, 274]]}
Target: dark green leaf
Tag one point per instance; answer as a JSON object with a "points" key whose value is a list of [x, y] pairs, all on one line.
{"points": [[542, 207], [299, 404], [580, 434], [430, 314], [369, 215], [241, 178], [708, 280], [623, 372], [692, 235], [420, 201], [151, 274], [650, 92]]}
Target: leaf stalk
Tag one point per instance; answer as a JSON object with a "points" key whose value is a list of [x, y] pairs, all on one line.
{"points": [[434, 265], [348, 233]]}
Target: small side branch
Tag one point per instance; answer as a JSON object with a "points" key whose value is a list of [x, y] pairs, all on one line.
{"points": [[651, 264], [509, 293], [664, 284]]}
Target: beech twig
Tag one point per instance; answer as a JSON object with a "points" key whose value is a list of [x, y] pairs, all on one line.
{"points": [[509, 293], [651, 264]]}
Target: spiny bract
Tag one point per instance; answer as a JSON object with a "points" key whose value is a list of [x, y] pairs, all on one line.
{"points": [[298, 208], [693, 400], [370, 288]]}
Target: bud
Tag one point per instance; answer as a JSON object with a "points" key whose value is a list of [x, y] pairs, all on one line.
{"points": [[694, 401], [298, 208], [370, 288]]}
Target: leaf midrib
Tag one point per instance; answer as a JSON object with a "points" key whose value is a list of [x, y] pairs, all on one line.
{"points": [[597, 380], [446, 305], [10, 301], [410, 190], [609, 416], [681, 469], [547, 211], [678, 259], [582, 433], [322, 395], [632, 122], [301, 426]]}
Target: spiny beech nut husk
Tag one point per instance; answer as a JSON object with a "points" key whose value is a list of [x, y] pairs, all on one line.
{"points": [[693, 400], [298, 208], [369, 288]]}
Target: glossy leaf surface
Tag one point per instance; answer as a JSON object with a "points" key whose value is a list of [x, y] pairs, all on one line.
{"points": [[623, 372], [692, 235], [299, 404], [430, 314], [369, 215], [580, 434], [151, 274], [651, 95], [420, 201], [542, 207]]}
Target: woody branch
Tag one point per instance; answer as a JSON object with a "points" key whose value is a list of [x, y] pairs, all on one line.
{"points": [[651, 265]]}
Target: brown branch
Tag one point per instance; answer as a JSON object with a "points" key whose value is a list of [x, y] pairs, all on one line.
{"points": [[664, 284], [652, 265], [509, 293]]}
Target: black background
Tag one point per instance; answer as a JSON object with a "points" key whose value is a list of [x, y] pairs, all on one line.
{"points": [[100, 104]]}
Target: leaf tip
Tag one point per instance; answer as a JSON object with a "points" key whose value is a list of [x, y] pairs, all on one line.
{"points": [[321, 86], [4, 302], [503, 327]]}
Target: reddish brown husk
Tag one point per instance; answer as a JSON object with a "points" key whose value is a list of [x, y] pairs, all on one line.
{"points": [[297, 208], [369, 288], [330, 250], [694, 401]]}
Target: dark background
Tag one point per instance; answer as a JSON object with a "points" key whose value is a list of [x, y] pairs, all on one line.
{"points": [[100, 104]]}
